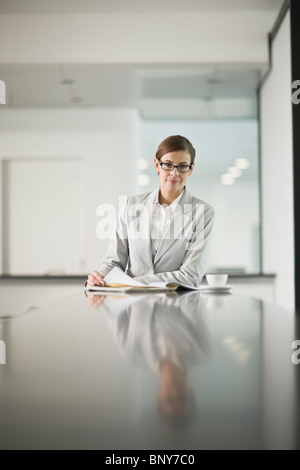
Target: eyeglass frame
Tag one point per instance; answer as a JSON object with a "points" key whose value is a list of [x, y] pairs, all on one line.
{"points": [[175, 166]]}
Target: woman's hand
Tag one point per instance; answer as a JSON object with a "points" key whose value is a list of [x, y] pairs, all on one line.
{"points": [[95, 279]]}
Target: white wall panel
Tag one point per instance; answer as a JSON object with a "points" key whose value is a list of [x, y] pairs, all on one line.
{"points": [[43, 206], [277, 168], [105, 139]]}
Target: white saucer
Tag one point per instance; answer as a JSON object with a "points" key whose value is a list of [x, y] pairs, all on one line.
{"points": [[225, 288]]}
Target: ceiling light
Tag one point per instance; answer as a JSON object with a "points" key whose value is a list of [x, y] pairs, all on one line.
{"points": [[229, 340], [143, 180], [242, 163], [234, 171], [244, 356], [142, 164], [227, 179]]}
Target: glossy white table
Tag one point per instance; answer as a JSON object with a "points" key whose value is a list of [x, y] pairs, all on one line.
{"points": [[190, 371]]}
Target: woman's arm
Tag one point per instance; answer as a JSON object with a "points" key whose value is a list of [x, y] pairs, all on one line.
{"points": [[117, 253]]}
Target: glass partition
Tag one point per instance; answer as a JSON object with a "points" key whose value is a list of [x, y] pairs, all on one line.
{"points": [[221, 146]]}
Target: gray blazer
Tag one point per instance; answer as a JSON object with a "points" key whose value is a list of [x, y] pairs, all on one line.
{"points": [[183, 252]]}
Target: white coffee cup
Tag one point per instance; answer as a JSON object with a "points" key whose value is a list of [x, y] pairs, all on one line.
{"points": [[216, 280]]}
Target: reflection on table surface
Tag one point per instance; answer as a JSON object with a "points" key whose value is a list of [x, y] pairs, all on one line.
{"points": [[163, 371]]}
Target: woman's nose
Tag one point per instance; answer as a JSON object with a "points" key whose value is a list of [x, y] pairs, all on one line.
{"points": [[175, 171]]}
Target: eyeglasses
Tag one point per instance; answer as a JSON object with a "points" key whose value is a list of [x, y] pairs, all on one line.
{"points": [[181, 168]]}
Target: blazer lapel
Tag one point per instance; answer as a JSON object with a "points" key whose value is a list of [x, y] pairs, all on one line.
{"points": [[179, 226], [143, 228]]}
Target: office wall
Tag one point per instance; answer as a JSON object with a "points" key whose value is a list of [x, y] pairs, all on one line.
{"points": [[105, 140], [277, 168]]}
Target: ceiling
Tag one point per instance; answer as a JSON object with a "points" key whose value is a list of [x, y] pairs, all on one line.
{"points": [[157, 91], [124, 85]]}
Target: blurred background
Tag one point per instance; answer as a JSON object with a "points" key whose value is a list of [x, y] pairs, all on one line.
{"points": [[94, 86]]}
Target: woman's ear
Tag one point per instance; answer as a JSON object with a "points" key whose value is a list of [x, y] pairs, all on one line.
{"points": [[156, 164], [191, 170]]}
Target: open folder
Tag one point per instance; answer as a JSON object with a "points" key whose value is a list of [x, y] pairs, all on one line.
{"points": [[117, 281]]}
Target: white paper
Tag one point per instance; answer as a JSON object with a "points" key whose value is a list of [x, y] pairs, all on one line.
{"points": [[117, 276]]}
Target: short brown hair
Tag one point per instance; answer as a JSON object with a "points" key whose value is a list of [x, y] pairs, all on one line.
{"points": [[174, 143]]}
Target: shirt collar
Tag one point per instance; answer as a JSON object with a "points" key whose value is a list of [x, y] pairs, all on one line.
{"points": [[176, 201]]}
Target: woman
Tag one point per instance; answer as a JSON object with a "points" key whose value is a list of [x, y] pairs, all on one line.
{"points": [[162, 236]]}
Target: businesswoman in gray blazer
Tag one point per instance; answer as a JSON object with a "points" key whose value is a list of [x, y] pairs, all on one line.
{"points": [[164, 235]]}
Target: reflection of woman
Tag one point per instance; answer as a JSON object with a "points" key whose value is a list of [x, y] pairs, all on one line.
{"points": [[167, 335], [163, 235]]}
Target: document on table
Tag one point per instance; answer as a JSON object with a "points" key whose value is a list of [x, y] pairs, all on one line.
{"points": [[117, 280]]}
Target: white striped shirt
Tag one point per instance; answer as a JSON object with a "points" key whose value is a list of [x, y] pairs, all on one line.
{"points": [[162, 215]]}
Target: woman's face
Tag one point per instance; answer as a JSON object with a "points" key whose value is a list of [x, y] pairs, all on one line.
{"points": [[173, 181]]}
